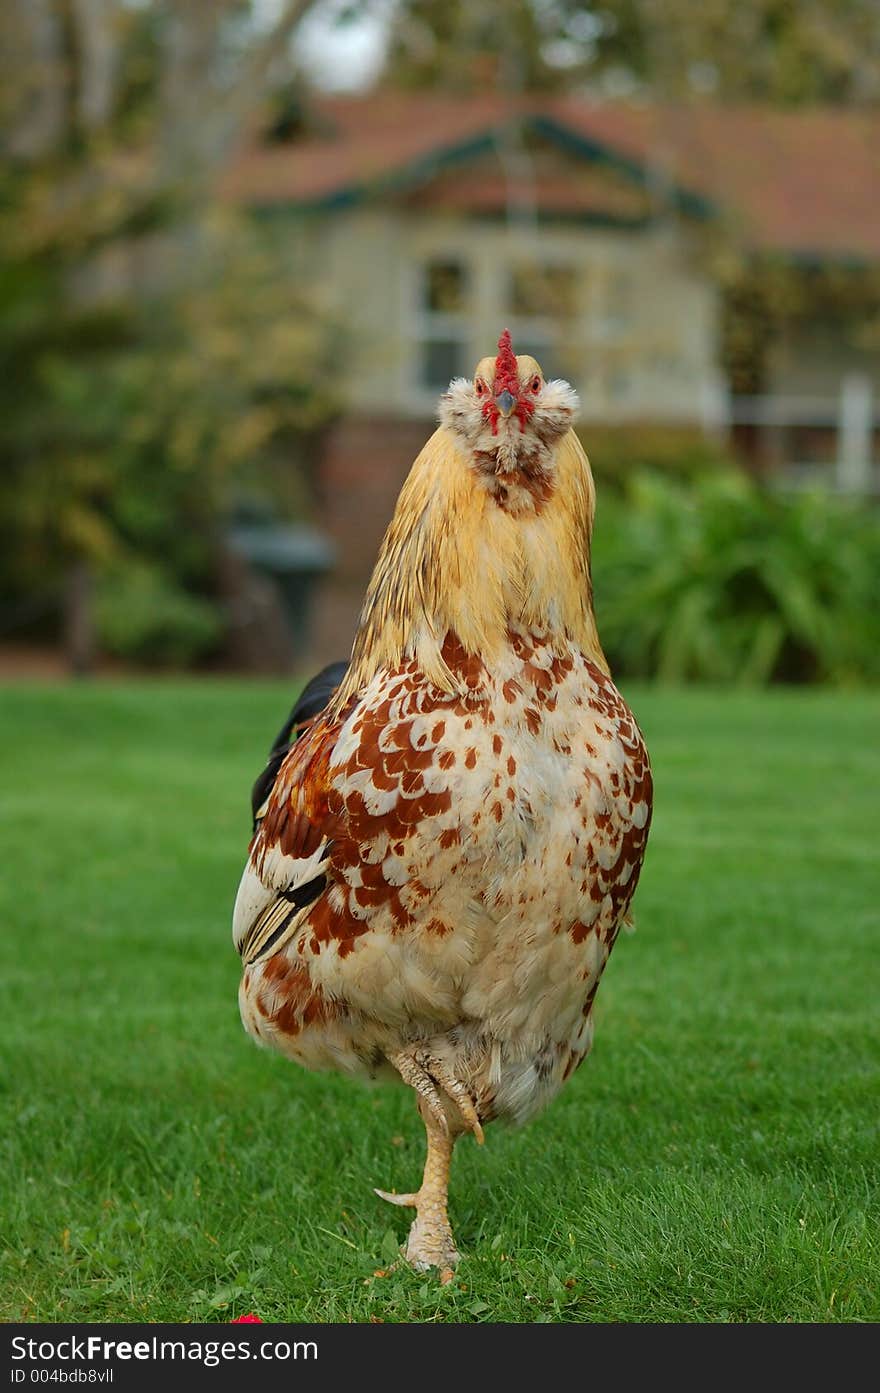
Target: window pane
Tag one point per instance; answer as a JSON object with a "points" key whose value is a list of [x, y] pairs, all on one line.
{"points": [[619, 297], [544, 292], [441, 361], [619, 384], [444, 286], [541, 349]]}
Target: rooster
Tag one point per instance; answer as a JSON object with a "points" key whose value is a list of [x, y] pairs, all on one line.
{"points": [[444, 855]]}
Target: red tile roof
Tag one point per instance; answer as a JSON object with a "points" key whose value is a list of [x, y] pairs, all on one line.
{"points": [[801, 182]]}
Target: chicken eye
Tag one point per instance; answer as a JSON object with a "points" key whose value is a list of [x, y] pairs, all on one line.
{"points": [[481, 387], [535, 384]]}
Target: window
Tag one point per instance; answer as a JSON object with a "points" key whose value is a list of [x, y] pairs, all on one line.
{"points": [[441, 361], [618, 302], [543, 292], [444, 287], [443, 323], [543, 303], [618, 384]]}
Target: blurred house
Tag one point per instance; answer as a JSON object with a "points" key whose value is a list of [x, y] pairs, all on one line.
{"points": [[591, 231]]}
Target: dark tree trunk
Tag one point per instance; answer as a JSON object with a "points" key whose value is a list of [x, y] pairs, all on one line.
{"points": [[79, 620]]}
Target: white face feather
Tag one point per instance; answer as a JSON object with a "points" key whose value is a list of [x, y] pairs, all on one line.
{"points": [[513, 456], [511, 444]]}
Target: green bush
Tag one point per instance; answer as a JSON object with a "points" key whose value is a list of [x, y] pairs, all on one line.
{"points": [[144, 617], [617, 453], [129, 430], [720, 581]]}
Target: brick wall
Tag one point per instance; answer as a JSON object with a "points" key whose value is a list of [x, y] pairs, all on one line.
{"points": [[364, 463]]}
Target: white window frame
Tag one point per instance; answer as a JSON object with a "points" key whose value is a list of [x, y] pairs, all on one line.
{"points": [[426, 325]]}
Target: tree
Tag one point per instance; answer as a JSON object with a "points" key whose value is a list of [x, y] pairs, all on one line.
{"points": [[788, 52], [135, 385]]}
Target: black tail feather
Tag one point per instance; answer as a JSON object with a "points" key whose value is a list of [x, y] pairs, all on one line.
{"points": [[311, 702]]}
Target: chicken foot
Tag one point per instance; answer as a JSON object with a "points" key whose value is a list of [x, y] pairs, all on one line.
{"points": [[447, 1109], [430, 1242]]}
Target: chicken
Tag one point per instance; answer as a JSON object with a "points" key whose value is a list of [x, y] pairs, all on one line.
{"points": [[310, 703], [451, 845]]}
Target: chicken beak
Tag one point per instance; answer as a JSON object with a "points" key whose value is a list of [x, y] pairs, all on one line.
{"points": [[506, 402]]}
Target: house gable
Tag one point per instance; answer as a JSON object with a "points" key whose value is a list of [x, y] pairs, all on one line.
{"points": [[400, 172], [800, 184]]}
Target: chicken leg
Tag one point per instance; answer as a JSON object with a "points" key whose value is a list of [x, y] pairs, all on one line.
{"points": [[428, 1073], [430, 1242]]}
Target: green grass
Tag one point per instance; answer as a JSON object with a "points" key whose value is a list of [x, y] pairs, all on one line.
{"points": [[716, 1159]]}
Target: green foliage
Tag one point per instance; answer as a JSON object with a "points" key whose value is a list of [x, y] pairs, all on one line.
{"points": [[769, 300], [129, 427], [617, 453], [721, 581], [714, 1160], [461, 46], [155, 355], [767, 50], [144, 617]]}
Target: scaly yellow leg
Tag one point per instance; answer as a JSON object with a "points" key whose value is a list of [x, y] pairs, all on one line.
{"points": [[430, 1242]]}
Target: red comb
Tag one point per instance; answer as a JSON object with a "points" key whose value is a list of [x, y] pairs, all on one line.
{"points": [[506, 375]]}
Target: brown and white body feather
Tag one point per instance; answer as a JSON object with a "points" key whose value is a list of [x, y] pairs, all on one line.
{"points": [[449, 851]]}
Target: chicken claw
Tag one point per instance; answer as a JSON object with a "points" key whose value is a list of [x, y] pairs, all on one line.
{"points": [[409, 1201], [459, 1094], [424, 1071]]}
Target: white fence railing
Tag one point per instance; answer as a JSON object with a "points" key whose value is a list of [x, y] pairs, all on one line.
{"points": [[853, 417]]}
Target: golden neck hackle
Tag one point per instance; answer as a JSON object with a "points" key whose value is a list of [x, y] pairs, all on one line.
{"points": [[453, 560]]}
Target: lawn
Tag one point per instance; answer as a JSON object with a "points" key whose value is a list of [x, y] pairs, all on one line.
{"points": [[715, 1160]]}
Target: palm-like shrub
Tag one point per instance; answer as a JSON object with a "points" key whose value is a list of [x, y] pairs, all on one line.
{"points": [[718, 580]]}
